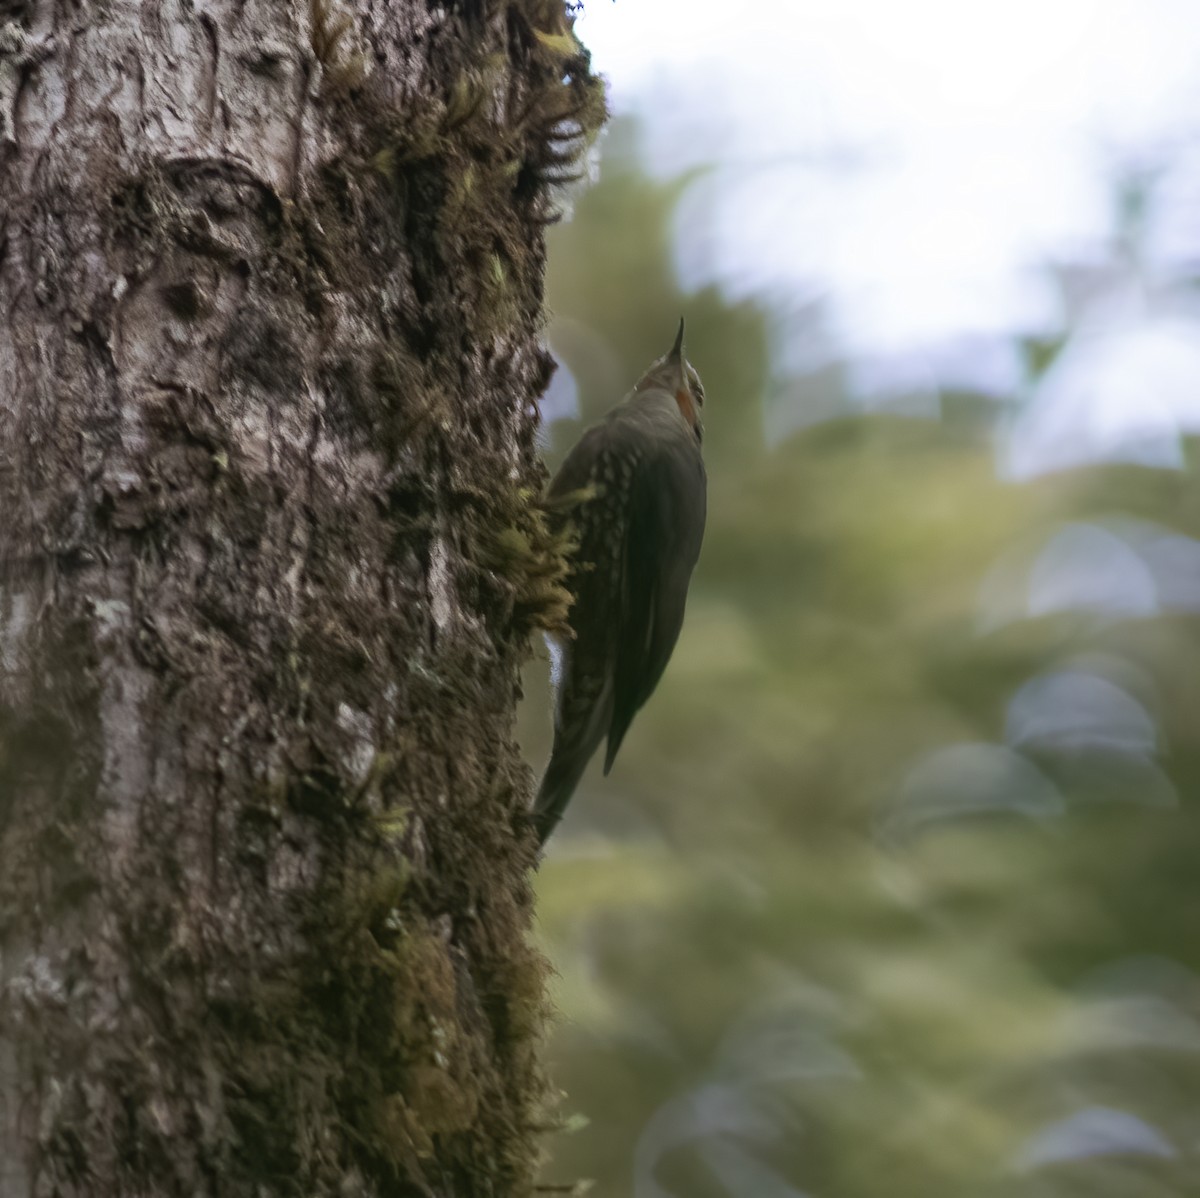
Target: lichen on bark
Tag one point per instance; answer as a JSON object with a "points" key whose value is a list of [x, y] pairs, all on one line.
{"points": [[272, 284]]}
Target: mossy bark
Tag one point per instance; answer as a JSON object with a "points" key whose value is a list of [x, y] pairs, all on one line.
{"points": [[271, 278]]}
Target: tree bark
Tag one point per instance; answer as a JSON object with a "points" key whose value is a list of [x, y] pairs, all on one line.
{"points": [[271, 278]]}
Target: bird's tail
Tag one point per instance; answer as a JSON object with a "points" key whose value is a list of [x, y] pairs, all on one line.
{"points": [[582, 712], [558, 785], [568, 760]]}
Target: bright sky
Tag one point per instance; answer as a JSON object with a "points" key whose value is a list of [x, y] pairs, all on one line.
{"points": [[916, 163]]}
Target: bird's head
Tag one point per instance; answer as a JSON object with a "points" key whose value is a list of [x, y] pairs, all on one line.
{"points": [[674, 374]]}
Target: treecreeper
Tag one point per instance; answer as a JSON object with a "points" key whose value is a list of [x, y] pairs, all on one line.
{"points": [[634, 492]]}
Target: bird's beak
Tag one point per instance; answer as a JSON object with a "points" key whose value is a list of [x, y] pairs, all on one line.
{"points": [[677, 348], [676, 356]]}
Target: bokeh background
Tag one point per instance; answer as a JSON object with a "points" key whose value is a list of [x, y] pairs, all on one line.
{"points": [[895, 886]]}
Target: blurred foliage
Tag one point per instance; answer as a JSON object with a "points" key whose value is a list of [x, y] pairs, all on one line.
{"points": [[892, 890]]}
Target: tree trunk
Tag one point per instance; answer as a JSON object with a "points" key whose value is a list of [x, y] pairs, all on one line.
{"points": [[271, 281]]}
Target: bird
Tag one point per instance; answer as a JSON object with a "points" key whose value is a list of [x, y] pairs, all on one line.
{"points": [[633, 495]]}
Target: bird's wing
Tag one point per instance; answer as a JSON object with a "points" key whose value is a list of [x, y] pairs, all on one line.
{"points": [[575, 481], [662, 542]]}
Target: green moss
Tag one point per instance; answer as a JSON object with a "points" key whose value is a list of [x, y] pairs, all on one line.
{"points": [[344, 64], [532, 555]]}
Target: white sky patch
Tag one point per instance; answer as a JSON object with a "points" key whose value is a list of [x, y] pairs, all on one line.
{"points": [[1073, 710], [1096, 1131], [1126, 388], [916, 165]]}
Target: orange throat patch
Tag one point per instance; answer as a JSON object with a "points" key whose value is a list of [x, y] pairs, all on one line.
{"points": [[687, 406]]}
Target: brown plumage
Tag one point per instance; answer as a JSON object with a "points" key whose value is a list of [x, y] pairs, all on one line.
{"points": [[634, 488]]}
